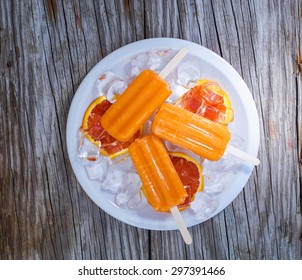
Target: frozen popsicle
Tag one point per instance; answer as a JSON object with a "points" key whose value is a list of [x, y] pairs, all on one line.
{"points": [[161, 183], [196, 133], [139, 101]]}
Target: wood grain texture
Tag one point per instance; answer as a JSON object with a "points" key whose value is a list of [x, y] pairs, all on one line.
{"points": [[47, 48]]}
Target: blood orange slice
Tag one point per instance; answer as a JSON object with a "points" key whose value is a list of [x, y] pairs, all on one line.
{"points": [[96, 134], [207, 99], [190, 174]]}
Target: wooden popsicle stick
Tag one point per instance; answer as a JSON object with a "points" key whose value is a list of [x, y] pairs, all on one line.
{"points": [[181, 225], [242, 155], [173, 63]]}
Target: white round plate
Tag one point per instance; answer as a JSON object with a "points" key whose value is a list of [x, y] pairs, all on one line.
{"points": [[245, 125]]}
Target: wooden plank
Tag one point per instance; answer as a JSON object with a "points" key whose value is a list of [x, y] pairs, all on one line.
{"points": [[48, 47]]}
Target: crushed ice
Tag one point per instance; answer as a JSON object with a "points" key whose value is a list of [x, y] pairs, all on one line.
{"points": [[110, 85], [204, 206], [155, 60], [118, 176], [137, 201], [188, 74], [88, 152], [97, 170]]}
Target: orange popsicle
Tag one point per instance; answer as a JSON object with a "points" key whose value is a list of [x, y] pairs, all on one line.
{"points": [[137, 103], [161, 183], [188, 130]]}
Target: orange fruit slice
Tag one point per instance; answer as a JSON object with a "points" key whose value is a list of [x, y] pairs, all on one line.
{"points": [[207, 99], [96, 134], [190, 174]]}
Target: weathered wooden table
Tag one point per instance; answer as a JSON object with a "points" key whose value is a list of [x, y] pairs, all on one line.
{"points": [[47, 48]]}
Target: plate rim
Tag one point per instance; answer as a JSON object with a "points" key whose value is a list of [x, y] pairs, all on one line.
{"points": [[160, 43]]}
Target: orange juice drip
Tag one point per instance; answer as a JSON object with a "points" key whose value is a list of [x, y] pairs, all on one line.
{"points": [[137, 103], [161, 183], [188, 130]]}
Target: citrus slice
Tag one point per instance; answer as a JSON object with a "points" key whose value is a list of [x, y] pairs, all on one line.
{"points": [[96, 134], [190, 174], [207, 99]]}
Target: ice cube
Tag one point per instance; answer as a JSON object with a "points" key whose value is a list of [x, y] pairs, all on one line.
{"points": [[228, 164], [216, 174], [155, 60], [236, 141], [211, 171], [97, 169], [158, 59], [110, 85], [214, 187], [139, 63], [103, 81], [114, 90], [135, 70], [177, 92], [137, 201], [114, 181], [124, 163], [133, 182], [188, 73], [121, 199], [216, 169], [87, 150], [177, 89], [204, 206]]}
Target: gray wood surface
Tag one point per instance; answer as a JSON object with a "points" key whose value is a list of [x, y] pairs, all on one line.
{"points": [[47, 48]]}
